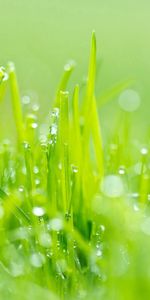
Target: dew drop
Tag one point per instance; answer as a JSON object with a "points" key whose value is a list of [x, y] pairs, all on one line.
{"points": [[55, 224], [75, 169], [37, 181], [55, 112], [35, 107], [38, 211], [45, 239], [134, 195], [20, 233], [112, 186], [129, 100], [21, 189], [17, 269], [36, 170], [144, 151], [135, 207], [34, 125], [102, 227], [3, 74], [69, 65], [26, 100], [26, 145], [99, 252], [53, 129], [37, 259], [121, 170]]}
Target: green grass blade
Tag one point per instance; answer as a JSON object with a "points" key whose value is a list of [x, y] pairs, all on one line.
{"points": [[92, 71], [3, 82], [16, 102], [76, 128], [113, 92], [64, 147], [97, 139], [68, 69], [89, 94]]}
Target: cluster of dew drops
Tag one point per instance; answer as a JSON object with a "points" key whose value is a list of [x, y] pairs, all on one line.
{"points": [[112, 186]]}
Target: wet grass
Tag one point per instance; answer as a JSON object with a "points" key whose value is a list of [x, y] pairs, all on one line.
{"points": [[74, 210]]}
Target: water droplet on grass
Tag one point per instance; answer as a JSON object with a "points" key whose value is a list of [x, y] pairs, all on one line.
{"points": [[53, 129], [21, 189], [37, 259], [144, 151], [136, 207], [17, 269], [35, 107], [134, 195], [121, 170], [3, 74], [34, 125], [75, 169], [37, 181], [55, 112], [38, 211], [20, 233], [112, 186], [45, 240], [102, 227], [55, 224], [26, 100], [129, 100], [36, 170], [99, 253], [71, 64], [26, 146], [60, 166]]}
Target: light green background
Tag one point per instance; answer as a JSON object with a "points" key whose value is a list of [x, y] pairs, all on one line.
{"points": [[41, 35]]}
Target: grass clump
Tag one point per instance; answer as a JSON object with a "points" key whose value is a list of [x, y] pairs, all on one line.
{"points": [[74, 212]]}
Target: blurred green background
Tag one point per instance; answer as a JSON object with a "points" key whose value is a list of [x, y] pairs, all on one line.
{"points": [[41, 35]]}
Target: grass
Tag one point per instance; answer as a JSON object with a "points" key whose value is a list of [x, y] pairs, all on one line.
{"points": [[74, 211]]}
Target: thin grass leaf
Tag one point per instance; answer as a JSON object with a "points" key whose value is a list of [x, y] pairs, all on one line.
{"points": [[76, 127], [97, 139], [11, 207], [3, 82], [113, 92], [64, 147], [87, 105], [68, 69], [16, 102]]}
